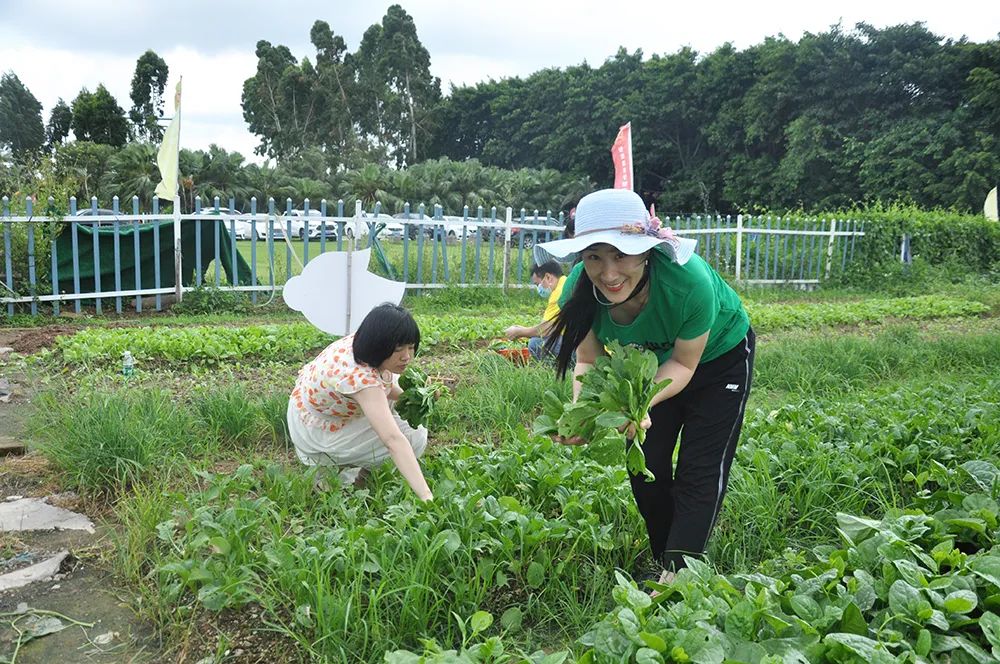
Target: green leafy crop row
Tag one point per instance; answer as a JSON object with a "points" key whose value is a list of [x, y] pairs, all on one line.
{"points": [[215, 344]]}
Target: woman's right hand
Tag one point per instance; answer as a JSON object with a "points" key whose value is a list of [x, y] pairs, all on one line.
{"points": [[568, 440]]}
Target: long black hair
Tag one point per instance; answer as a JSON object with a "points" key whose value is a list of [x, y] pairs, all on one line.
{"points": [[574, 320]]}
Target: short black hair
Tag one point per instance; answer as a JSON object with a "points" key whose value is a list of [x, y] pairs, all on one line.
{"points": [[548, 267], [386, 327]]}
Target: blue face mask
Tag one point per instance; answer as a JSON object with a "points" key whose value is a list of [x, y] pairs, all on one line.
{"points": [[542, 290]]}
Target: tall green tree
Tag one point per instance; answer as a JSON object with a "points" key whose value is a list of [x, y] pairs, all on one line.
{"points": [[21, 128], [397, 92], [60, 124], [281, 104], [97, 117], [148, 83], [87, 163]]}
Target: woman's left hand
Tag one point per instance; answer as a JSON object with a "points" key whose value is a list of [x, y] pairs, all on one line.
{"points": [[629, 429]]}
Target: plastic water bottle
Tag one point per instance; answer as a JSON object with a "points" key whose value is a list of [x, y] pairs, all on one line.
{"points": [[128, 364]]}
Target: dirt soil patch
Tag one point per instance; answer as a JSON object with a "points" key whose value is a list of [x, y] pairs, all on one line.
{"points": [[28, 340]]}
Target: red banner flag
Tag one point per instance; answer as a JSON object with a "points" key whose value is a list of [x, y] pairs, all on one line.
{"points": [[621, 156]]}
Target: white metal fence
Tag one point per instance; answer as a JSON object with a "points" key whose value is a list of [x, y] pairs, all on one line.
{"points": [[50, 261]]}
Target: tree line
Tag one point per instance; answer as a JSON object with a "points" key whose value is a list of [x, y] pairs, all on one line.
{"points": [[833, 120]]}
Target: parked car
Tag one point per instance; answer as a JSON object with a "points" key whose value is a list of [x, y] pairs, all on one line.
{"points": [[244, 229], [101, 212], [402, 224]]}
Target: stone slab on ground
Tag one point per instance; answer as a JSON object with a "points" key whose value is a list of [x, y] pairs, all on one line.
{"points": [[38, 572], [36, 514], [9, 445]]}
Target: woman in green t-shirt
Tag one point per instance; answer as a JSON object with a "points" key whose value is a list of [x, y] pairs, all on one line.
{"points": [[638, 283]]}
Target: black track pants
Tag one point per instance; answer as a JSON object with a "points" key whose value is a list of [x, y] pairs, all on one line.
{"points": [[680, 508]]}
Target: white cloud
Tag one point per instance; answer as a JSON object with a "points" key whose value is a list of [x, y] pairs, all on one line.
{"points": [[57, 47]]}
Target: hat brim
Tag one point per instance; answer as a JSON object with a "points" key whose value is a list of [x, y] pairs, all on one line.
{"points": [[679, 249]]}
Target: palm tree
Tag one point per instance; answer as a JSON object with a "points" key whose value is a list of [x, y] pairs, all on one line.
{"points": [[222, 175], [369, 184], [134, 172]]}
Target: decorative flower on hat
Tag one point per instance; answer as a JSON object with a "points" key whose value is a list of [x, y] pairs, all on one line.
{"points": [[652, 227]]}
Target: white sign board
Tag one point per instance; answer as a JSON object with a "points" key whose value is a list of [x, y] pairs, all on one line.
{"points": [[334, 281]]}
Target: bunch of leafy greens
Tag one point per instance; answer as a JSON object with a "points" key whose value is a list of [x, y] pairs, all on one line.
{"points": [[416, 403], [616, 392]]}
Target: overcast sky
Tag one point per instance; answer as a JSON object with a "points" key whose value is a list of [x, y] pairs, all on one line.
{"points": [[57, 47]]}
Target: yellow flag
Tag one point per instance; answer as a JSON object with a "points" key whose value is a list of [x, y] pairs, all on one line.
{"points": [[166, 158], [990, 206]]}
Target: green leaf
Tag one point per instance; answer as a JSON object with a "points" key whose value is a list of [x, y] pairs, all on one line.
{"points": [[535, 575], [923, 646], [511, 619], [806, 607], [990, 624], [653, 641], [986, 567], [960, 601], [905, 600], [648, 656], [853, 621], [480, 621], [611, 420]]}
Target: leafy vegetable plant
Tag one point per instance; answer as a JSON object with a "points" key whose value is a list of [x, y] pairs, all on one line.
{"points": [[615, 393], [416, 403]]}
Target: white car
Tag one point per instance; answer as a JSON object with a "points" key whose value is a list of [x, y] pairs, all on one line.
{"points": [[242, 227]]}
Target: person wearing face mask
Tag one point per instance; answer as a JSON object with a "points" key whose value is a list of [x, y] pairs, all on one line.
{"points": [[639, 284], [340, 412], [548, 280]]}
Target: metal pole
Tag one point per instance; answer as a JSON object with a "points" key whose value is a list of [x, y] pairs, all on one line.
{"points": [[178, 269], [829, 246], [506, 247], [350, 258], [739, 245]]}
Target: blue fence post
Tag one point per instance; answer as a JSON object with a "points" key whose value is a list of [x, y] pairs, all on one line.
{"points": [[479, 244], [465, 228], [420, 245], [444, 247], [156, 251], [137, 271], [234, 279], [116, 230], [843, 260], [197, 241], [305, 231], [216, 240], [492, 266], [815, 227], [288, 238], [97, 255], [340, 224], [253, 247], [52, 255], [322, 230], [270, 242], [372, 225], [74, 241], [29, 208], [434, 243], [406, 241], [8, 260]]}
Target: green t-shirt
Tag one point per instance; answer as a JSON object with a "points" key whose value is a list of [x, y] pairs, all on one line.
{"points": [[685, 301]]}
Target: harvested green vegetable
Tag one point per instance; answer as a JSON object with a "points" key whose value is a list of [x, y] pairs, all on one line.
{"points": [[416, 403], [616, 392]]}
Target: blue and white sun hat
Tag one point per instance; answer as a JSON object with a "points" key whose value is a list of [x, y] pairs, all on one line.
{"points": [[619, 218]]}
